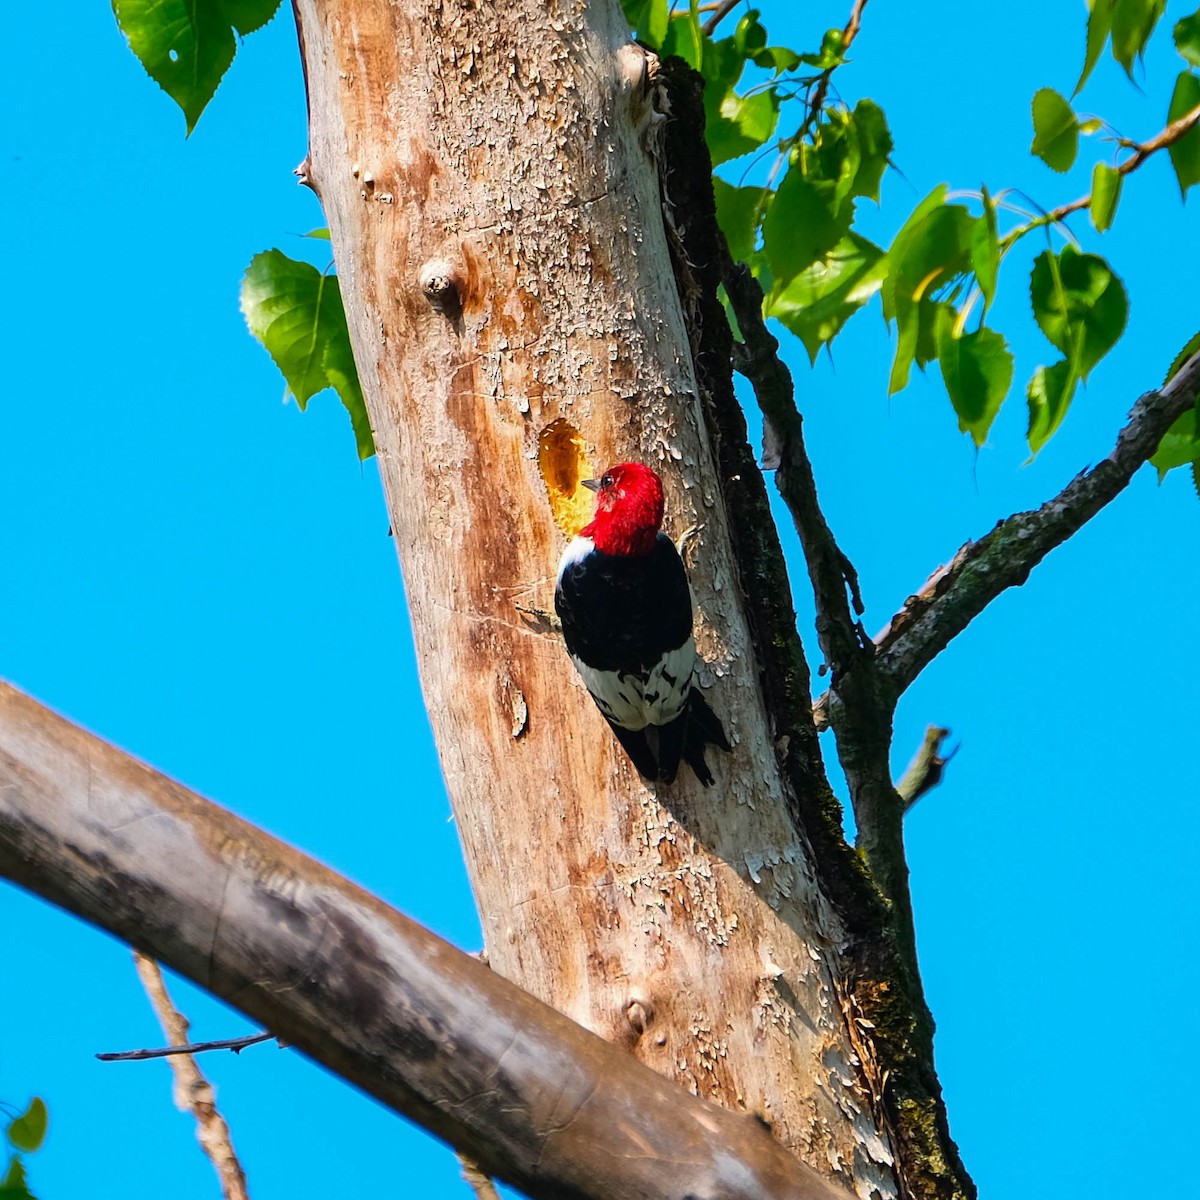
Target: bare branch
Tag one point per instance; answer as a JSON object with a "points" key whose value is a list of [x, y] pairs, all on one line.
{"points": [[523, 1091], [719, 12], [193, 1092], [237, 1045], [863, 707], [957, 593], [925, 771], [834, 580]]}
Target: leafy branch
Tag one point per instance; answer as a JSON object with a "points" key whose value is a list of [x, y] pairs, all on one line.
{"points": [[841, 47], [1102, 199]]}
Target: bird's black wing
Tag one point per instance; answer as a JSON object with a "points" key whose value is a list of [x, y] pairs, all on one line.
{"points": [[621, 612]]}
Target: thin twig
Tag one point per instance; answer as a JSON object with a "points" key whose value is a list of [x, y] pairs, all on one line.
{"points": [[719, 13], [193, 1093], [237, 1045], [955, 594], [849, 33], [1141, 151], [480, 1184], [925, 771]]}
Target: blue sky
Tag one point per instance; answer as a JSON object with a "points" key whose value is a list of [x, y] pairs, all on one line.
{"points": [[199, 573]]}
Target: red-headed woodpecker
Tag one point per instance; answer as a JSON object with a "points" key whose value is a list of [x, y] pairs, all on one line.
{"points": [[626, 611]]}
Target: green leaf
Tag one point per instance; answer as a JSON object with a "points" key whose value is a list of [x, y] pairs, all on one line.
{"points": [[1187, 38], [778, 59], [648, 18], [977, 369], [297, 314], [1106, 192], [741, 124], [801, 226], [931, 250], [737, 208], [875, 148], [1079, 304], [1185, 153], [985, 250], [1192, 347], [750, 36], [732, 130], [186, 46], [1099, 26], [722, 67], [683, 38], [1049, 395], [835, 157], [830, 55], [1180, 445], [321, 235], [823, 297], [1055, 130], [14, 1185], [1133, 22], [27, 1131], [899, 246]]}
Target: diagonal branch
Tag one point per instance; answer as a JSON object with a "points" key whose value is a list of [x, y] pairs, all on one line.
{"points": [[527, 1094], [718, 13], [954, 595]]}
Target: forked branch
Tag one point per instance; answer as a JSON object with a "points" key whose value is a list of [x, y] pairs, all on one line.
{"points": [[955, 594]]}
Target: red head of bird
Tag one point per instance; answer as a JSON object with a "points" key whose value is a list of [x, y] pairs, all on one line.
{"points": [[629, 510]]}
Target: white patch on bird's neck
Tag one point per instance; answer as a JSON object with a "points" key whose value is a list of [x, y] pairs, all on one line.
{"points": [[578, 548]]}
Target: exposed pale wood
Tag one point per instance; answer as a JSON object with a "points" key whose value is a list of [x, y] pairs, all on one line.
{"points": [[193, 1092], [504, 154], [525, 1093]]}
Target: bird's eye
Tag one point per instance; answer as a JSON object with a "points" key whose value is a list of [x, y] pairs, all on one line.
{"points": [[606, 480]]}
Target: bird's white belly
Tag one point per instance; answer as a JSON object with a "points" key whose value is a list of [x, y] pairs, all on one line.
{"points": [[633, 703]]}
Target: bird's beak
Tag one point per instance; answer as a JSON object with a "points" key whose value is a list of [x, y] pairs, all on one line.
{"points": [[593, 485]]}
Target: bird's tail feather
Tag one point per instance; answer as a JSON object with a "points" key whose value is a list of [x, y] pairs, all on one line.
{"points": [[657, 752], [703, 728]]}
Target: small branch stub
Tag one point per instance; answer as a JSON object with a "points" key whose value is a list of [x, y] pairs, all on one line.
{"points": [[925, 771], [442, 285]]}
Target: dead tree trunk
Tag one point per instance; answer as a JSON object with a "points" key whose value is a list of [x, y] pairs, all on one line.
{"points": [[489, 176]]}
